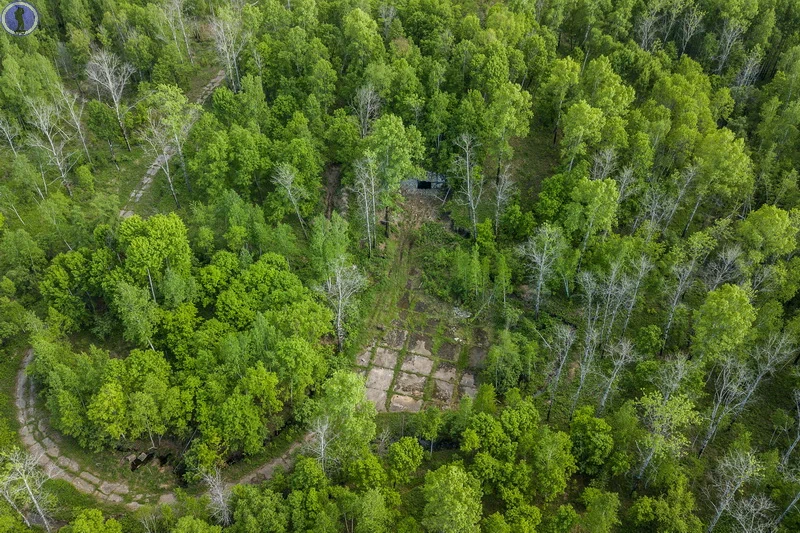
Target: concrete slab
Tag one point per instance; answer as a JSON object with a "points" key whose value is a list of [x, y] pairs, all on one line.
{"points": [[418, 364], [364, 357], [401, 403], [53, 451], [69, 464], [420, 344], [443, 391], [94, 480], [396, 339], [446, 372], [477, 354], [467, 385], [410, 385], [449, 351], [379, 378], [385, 357], [431, 326], [83, 485], [378, 397]]}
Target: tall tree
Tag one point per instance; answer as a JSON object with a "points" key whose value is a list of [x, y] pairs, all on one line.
{"points": [[620, 355], [285, 178], [470, 177], [734, 471], [109, 73], [452, 501], [583, 125], [344, 282], [231, 29], [560, 347], [52, 139], [664, 422], [22, 483], [367, 187], [541, 253]]}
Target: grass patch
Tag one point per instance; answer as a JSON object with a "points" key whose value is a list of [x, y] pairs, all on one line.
{"points": [[535, 159], [275, 448]]}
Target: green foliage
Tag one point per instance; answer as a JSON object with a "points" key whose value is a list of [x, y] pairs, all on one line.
{"points": [[723, 321], [672, 513], [91, 521], [601, 511], [553, 463], [592, 442], [452, 501], [198, 329], [404, 458]]}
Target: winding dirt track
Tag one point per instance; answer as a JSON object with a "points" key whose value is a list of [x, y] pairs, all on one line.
{"points": [[147, 180], [42, 442]]}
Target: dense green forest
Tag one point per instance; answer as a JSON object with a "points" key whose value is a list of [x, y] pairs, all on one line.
{"points": [[245, 247]]}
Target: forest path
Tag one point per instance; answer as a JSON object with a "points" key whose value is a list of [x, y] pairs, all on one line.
{"points": [[147, 180], [41, 441]]}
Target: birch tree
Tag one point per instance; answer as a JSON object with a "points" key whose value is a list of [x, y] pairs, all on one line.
{"points": [[585, 364], [620, 355], [343, 425], [641, 267], [646, 29], [672, 373], [563, 338], [9, 199], [174, 113], [321, 436], [768, 357], [366, 105], [366, 187], [470, 177], [687, 177], [10, 131], [219, 496], [604, 162], [541, 253], [732, 31], [690, 25], [343, 283], [724, 268], [730, 389], [627, 183], [22, 486], [682, 273], [231, 35], [734, 471], [109, 73], [504, 189], [664, 422], [51, 139], [173, 16], [615, 291], [754, 514], [72, 110], [788, 453], [749, 72], [285, 179], [158, 143], [791, 476]]}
